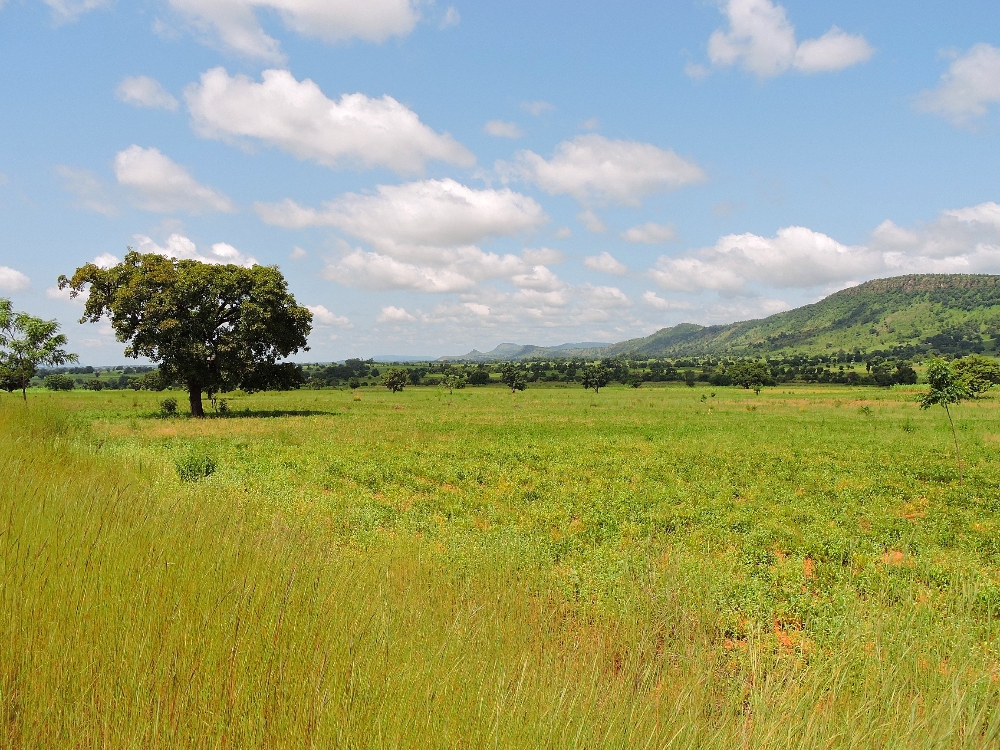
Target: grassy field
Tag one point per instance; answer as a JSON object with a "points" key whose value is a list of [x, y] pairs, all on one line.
{"points": [[662, 567]]}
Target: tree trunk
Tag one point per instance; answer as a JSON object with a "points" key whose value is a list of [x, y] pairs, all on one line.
{"points": [[194, 396], [954, 434]]}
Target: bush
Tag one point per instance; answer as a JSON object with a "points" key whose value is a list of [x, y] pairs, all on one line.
{"points": [[94, 385], [194, 466], [168, 406], [395, 380], [59, 383], [479, 377]]}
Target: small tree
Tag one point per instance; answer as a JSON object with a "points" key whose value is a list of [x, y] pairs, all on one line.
{"points": [[59, 383], [750, 375], [977, 373], [453, 380], [395, 380], [946, 389], [596, 376], [634, 380], [27, 343], [513, 377]]}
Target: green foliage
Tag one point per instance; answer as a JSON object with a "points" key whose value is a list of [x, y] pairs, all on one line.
{"points": [[194, 466], [946, 386], [596, 376], [751, 375], [479, 377], [212, 327], [150, 381], [977, 373], [59, 383], [353, 383], [453, 381], [395, 380], [93, 385], [512, 376], [27, 343], [634, 380], [168, 406]]}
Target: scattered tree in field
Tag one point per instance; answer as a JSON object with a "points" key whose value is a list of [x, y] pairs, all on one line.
{"points": [[513, 377], [977, 373], [27, 343], [395, 380], [946, 389], [596, 376], [479, 377], [59, 383], [634, 380], [417, 374], [453, 380], [750, 375], [212, 327], [353, 384]]}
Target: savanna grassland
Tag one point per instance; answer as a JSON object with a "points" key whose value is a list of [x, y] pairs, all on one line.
{"points": [[661, 567]]}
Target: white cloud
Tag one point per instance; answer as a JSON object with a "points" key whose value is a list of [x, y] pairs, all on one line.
{"points": [[592, 222], [604, 297], [297, 117], [761, 39], [297, 253], [659, 303], [544, 256], [143, 91], [233, 24], [374, 271], [106, 260], [324, 317], [501, 129], [795, 257], [564, 233], [539, 278], [537, 108], [392, 314], [180, 247], [418, 219], [605, 263], [64, 11], [971, 84], [651, 233], [451, 18], [12, 280], [594, 168], [88, 188], [965, 240], [163, 186]]}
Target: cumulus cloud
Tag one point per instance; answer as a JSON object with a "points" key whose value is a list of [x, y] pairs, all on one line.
{"points": [[392, 314], [106, 260], [545, 256], [965, 240], [537, 108], [592, 168], [971, 84], [651, 233], [323, 317], [180, 247], [659, 303], [143, 91], [163, 186], [417, 220], [297, 253], [592, 222], [605, 263], [12, 280], [233, 24], [761, 40], [375, 271], [64, 11], [451, 18], [88, 188], [501, 129], [296, 116]]}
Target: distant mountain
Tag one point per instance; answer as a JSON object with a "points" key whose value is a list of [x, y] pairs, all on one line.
{"points": [[505, 352], [945, 313], [948, 313]]}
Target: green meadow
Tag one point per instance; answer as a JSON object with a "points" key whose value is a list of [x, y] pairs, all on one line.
{"points": [[645, 568]]}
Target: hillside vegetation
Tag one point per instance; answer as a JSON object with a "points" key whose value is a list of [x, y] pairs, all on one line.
{"points": [[944, 313]]}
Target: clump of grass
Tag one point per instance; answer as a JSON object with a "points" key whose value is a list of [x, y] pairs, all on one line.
{"points": [[194, 466]]}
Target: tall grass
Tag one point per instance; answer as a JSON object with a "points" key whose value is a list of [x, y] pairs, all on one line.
{"points": [[140, 613]]}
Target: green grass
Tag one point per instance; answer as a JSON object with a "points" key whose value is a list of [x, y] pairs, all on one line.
{"points": [[552, 569]]}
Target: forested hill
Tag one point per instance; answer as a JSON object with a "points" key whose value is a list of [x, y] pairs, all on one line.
{"points": [[946, 313]]}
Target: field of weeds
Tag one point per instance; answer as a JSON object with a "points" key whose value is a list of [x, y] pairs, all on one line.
{"points": [[661, 567]]}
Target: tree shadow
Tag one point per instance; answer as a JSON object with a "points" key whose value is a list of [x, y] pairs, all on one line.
{"points": [[248, 414]]}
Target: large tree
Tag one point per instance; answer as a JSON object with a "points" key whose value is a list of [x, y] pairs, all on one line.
{"points": [[27, 343], [212, 327]]}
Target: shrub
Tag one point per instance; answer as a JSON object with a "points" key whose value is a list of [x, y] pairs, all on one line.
{"points": [[59, 383], [194, 466], [168, 406], [479, 377], [94, 385]]}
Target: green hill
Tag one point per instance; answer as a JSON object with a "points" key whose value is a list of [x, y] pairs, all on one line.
{"points": [[946, 313]]}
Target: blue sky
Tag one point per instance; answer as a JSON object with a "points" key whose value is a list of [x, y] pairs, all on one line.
{"points": [[434, 177]]}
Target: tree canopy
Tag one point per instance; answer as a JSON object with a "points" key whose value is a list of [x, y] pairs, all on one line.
{"points": [[750, 375], [513, 377], [27, 343], [212, 327], [947, 388], [596, 376]]}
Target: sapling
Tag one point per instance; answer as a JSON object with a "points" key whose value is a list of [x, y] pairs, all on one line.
{"points": [[946, 389]]}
